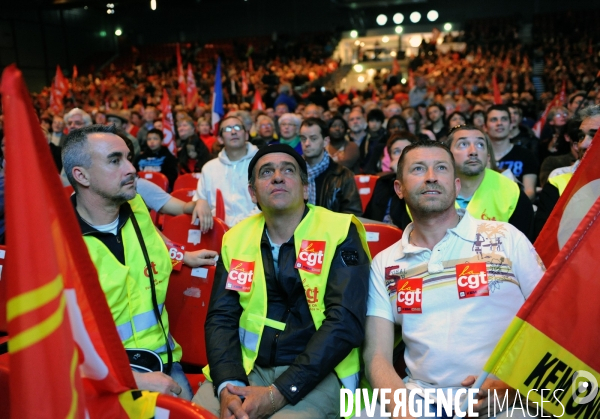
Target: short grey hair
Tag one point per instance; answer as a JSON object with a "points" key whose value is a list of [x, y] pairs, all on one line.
{"points": [[590, 111], [245, 117], [290, 117], [75, 153], [87, 119]]}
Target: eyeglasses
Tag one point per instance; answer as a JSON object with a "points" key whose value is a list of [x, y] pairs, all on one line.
{"points": [[236, 128], [266, 126]]}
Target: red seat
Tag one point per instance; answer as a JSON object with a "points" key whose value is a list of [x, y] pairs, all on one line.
{"points": [[3, 328], [187, 180], [185, 194], [187, 304], [365, 185], [4, 390], [381, 236], [156, 178], [180, 230], [182, 409]]}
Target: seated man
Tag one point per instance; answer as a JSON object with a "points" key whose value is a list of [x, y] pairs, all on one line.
{"points": [[118, 231], [286, 314], [450, 327], [228, 174], [484, 193], [557, 184], [330, 185]]}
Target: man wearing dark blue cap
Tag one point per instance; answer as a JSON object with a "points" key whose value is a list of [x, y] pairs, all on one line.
{"points": [[288, 304]]}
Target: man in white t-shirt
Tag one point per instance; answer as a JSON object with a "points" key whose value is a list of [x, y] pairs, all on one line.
{"points": [[453, 283]]}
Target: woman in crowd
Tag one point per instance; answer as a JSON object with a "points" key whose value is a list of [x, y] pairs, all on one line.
{"points": [[340, 149]]}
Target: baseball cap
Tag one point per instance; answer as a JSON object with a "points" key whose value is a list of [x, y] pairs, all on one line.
{"points": [[277, 148]]}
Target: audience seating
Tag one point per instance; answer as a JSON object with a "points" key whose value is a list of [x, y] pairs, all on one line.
{"points": [[4, 390], [220, 206], [185, 194], [181, 230], [187, 301], [181, 409], [187, 180], [365, 185], [156, 178], [381, 236]]}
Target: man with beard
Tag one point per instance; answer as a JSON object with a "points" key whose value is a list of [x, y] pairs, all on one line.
{"points": [[484, 193], [453, 283], [127, 250], [556, 185], [358, 131]]}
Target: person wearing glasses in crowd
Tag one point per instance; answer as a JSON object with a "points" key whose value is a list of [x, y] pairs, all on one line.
{"points": [[228, 172]]}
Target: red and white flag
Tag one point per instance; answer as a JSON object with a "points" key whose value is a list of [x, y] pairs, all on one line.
{"points": [[66, 357], [244, 83], [558, 100], [258, 102], [167, 123], [180, 75], [576, 200], [58, 90], [192, 90], [497, 95]]}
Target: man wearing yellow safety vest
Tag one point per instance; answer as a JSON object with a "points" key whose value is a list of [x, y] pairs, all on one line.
{"points": [[127, 250], [553, 189], [484, 193], [288, 304]]}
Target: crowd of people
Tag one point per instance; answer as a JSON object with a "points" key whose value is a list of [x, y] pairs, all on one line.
{"points": [[467, 179]]}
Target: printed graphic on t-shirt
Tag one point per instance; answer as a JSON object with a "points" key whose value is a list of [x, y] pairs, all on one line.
{"points": [[151, 164], [488, 247]]}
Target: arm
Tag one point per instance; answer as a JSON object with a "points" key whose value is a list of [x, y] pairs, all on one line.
{"points": [[195, 258], [378, 353], [156, 381], [202, 209], [522, 217], [343, 328], [529, 182]]}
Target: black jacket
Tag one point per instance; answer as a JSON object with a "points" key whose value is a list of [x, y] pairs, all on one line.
{"points": [[337, 191], [311, 354], [161, 159]]}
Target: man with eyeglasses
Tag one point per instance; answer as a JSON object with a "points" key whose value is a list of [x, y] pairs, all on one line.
{"points": [[228, 173], [484, 193], [559, 179]]}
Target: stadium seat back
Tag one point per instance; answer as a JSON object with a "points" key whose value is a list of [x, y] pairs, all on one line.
{"points": [[181, 409], [365, 185], [181, 230], [187, 180], [156, 178], [185, 194], [381, 236], [3, 328]]}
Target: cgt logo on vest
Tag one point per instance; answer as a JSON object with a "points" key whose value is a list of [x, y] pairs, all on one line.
{"points": [[472, 280], [312, 297], [409, 298], [154, 271], [240, 276], [310, 257]]}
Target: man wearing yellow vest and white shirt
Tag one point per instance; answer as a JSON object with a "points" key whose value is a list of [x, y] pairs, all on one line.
{"points": [[97, 164], [288, 304], [484, 193], [556, 184]]}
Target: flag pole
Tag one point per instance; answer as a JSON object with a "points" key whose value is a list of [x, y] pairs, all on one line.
{"points": [[478, 383]]}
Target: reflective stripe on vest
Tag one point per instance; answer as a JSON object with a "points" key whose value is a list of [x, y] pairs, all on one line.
{"points": [[495, 199], [319, 224], [127, 288], [561, 182]]}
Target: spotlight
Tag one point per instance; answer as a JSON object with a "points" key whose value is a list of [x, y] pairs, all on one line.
{"points": [[381, 20], [358, 68], [361, 79], [415, 17], [432, 15], [153, 4], [448, 26], [393, 54], [357, 42], [403, 81], [398, 29], [118, 32], [415, 41], [398, 18], [353, 34], [385, 39]]}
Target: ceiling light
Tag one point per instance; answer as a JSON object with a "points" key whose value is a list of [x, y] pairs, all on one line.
{"points": [[381, 20], [361, 79], [353, 34], [398, 29], [385, 39], [118, 32], [432, 15], [358, 68], [448, 26], [398, 18], [415, 17]]}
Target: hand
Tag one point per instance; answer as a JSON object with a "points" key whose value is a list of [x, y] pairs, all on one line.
{"points": [[231, 406], [497, 387], [203, 213], [257, 400], [199, 258], [157, 381]]}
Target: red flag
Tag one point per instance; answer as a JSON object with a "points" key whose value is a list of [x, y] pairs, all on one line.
{"points": [[250, 65], [577, 198], [180, 75], [244, 83], [497, 95], [559, 100], [75, 72], [192, 90], [258, 102], [59, 89], [66, 358], [167, 122], [124, 103]]}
